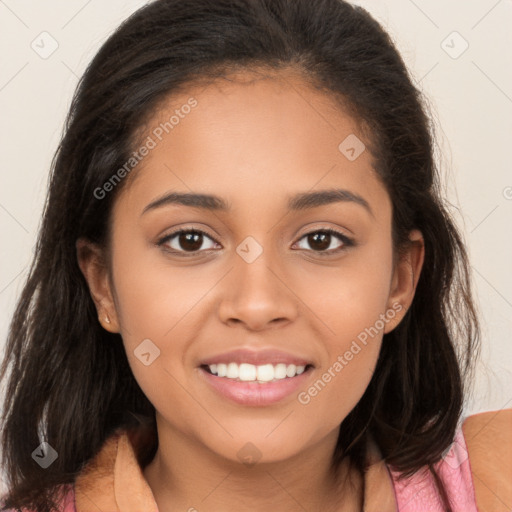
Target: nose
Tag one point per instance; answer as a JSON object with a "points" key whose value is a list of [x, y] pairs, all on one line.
{"points": [[257, 294]]}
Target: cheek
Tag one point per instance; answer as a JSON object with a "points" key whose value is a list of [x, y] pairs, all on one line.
{"points": [[352, 351], [349, 296], [352, 304], [152, 295], [156, 305], [337, 388]]}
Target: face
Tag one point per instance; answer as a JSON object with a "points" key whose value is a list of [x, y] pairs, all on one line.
{"points": [[260, 282]]}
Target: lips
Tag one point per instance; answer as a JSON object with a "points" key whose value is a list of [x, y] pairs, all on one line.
{"points": [[253, 393], [266, 390]]}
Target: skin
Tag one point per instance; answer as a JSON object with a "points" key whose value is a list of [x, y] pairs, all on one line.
{"points": [[253, 141]]}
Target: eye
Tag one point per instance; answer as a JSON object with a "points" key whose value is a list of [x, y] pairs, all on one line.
{"points": [[186, 240], [191, 241], [322, 241]]}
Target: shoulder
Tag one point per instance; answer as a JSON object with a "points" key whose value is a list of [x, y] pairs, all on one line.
{"points": [[489, 429], [488, 438]]}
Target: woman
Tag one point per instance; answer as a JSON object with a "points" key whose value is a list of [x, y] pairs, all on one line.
{"points": [[313, 354]]}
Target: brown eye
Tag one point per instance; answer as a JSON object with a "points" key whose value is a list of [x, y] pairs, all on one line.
{"points": [[323, 241], [319, 241], [190, 240]]}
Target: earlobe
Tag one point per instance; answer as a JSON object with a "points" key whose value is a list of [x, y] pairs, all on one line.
{"points": [[91, 260], [405, 278]]}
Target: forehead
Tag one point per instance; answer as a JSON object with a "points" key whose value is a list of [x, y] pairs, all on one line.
{"points": [[252, 136]]}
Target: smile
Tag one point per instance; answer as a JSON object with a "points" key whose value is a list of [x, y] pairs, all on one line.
{"points": [[248, 384]]}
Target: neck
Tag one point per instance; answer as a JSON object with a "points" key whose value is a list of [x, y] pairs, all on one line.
{"points": [[186, 475]]}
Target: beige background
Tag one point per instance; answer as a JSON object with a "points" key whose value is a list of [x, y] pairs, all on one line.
{"points": [[470, 92]]}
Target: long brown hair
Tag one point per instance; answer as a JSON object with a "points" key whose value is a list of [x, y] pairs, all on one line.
{"points": [[69, 381]]}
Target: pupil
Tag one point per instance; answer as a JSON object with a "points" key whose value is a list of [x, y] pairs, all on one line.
{"points": [[190, 241], [312, 239]]}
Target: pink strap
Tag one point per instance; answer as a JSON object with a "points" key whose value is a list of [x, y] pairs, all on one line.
{"points": [[68, 503], [418, 493]]}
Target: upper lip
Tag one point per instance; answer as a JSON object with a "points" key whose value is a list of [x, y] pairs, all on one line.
{"points": [[256, 357]]}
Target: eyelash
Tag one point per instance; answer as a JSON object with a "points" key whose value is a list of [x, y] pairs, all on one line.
{"points": [[347, 242]]}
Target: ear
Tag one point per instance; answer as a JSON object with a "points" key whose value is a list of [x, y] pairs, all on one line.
{"points": [[405, 278], [92, 263]]}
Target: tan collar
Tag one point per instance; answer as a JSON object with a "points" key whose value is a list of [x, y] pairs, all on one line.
{"points": [[113, 481]]}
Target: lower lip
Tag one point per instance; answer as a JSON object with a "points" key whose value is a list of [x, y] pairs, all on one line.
{"points": [[254, 393]]}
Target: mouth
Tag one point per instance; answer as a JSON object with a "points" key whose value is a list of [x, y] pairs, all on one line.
{"points": [[255, 385]]}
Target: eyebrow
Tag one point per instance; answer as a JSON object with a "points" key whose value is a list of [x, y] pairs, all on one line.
{"points": [[298, 202]]}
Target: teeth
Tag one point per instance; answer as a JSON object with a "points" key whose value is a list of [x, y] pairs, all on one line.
{"points": [[250, 372], [246, 371], [265, 373], [222, 369], [280, 371]]}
